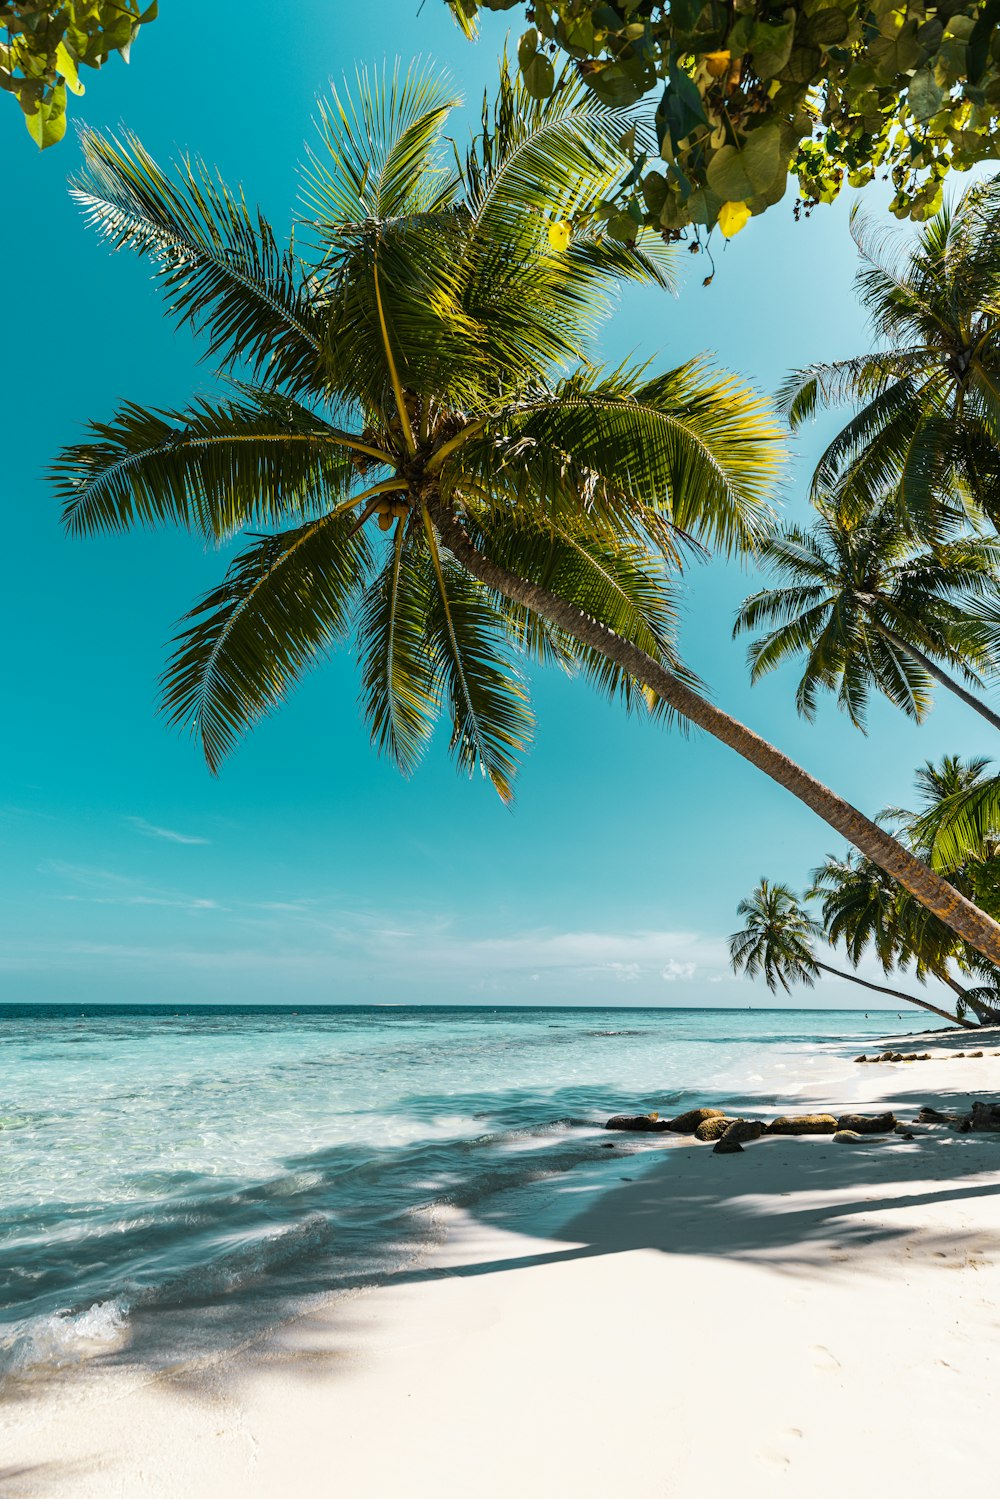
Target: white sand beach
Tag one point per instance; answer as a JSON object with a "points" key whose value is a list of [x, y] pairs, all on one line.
{"points": [[805, 1318]]}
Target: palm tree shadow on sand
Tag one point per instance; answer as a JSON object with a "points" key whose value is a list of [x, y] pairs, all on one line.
{"points": [[802, 1206]]}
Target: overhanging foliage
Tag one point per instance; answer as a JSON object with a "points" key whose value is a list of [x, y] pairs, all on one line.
{"points": [[829, 91], [46, 46]]}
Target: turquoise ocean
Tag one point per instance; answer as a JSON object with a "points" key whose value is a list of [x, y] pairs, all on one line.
{"points": [[177, 1176]]}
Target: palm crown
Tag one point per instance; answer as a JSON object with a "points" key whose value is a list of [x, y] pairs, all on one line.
{"points": [[777, 939], [428, 357], [867, 603], [928, 400]]}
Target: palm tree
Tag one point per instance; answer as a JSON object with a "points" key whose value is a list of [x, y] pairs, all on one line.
{"points": [[927, 402], [867, 603], [777, 943], [427, 368], [863, 909]]}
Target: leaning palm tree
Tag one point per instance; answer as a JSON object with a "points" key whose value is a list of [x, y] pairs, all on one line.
{"points": [[424, 372], [927, 401], [869, 604], [777, 943]]}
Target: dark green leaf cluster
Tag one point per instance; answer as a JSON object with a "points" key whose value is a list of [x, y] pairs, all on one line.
{"points": [[47, 45], [828, 91]]}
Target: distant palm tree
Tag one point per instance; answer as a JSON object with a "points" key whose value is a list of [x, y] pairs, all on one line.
{"points": [[426, 369], [928, 400], [867, 604], [863, 909], [777, 943]]}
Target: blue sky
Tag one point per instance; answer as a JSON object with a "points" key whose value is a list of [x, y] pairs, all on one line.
{"points": [[310, 872]]}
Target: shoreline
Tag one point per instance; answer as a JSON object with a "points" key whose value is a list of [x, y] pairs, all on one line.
{"points": [[804, 1316]]}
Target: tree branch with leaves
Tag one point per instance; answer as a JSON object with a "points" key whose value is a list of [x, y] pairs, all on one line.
{"points": [[45, 47]]}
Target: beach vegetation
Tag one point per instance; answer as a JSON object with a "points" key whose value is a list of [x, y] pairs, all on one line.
{"points": [[45, 47], [828, 92], [864, 912], [418, 448], [778, 943], [926, 401]]}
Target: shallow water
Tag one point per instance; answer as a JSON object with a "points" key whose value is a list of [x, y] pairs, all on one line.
{"points": [[159, 1161]]}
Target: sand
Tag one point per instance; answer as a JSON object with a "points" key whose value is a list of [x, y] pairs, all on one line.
{"points": [[805, 1319]]}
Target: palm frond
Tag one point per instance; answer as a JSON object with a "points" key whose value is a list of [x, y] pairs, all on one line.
{"points": [[285, 600], [861, 379], [960, 827], [777, 606], [466, 632], [218, 263], [210, 467], [400, 694], [381, 153], [697, 448], [614, 580], [792, 638]]}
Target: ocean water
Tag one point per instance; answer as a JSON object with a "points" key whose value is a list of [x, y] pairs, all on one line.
{"points": [[173, 1176]]}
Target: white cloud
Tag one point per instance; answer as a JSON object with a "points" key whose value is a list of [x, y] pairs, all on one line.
{"points": [[181, 902], [674, 971], [150, 830], [625, 973], [104, 887]]}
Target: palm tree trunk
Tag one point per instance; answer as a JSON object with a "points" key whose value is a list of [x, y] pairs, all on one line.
{"points": [[911, 999], [985, 1014], [924, 884], [933, 670]]}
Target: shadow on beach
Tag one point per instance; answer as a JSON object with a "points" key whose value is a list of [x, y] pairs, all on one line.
{"points": [[796, 1203]]}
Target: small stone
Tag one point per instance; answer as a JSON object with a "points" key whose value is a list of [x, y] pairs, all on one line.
{"points": [[725, 1146], [960, 1053], [975, 1053], [924, 1056], [846, 1136], [868, 1124], [686, 1124], [861, 1058], [802, 1124], [712, 1129], [609, 1145], [934, 1116]]}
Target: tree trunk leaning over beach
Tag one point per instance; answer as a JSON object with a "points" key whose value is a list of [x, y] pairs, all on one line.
{"points": [[910, 999], [927, 887]]}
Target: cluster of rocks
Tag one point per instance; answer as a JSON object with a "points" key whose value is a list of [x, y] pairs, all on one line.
{"points": [[912, 1056], [730, 1134], [898, 1056], [982, 1117]]}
